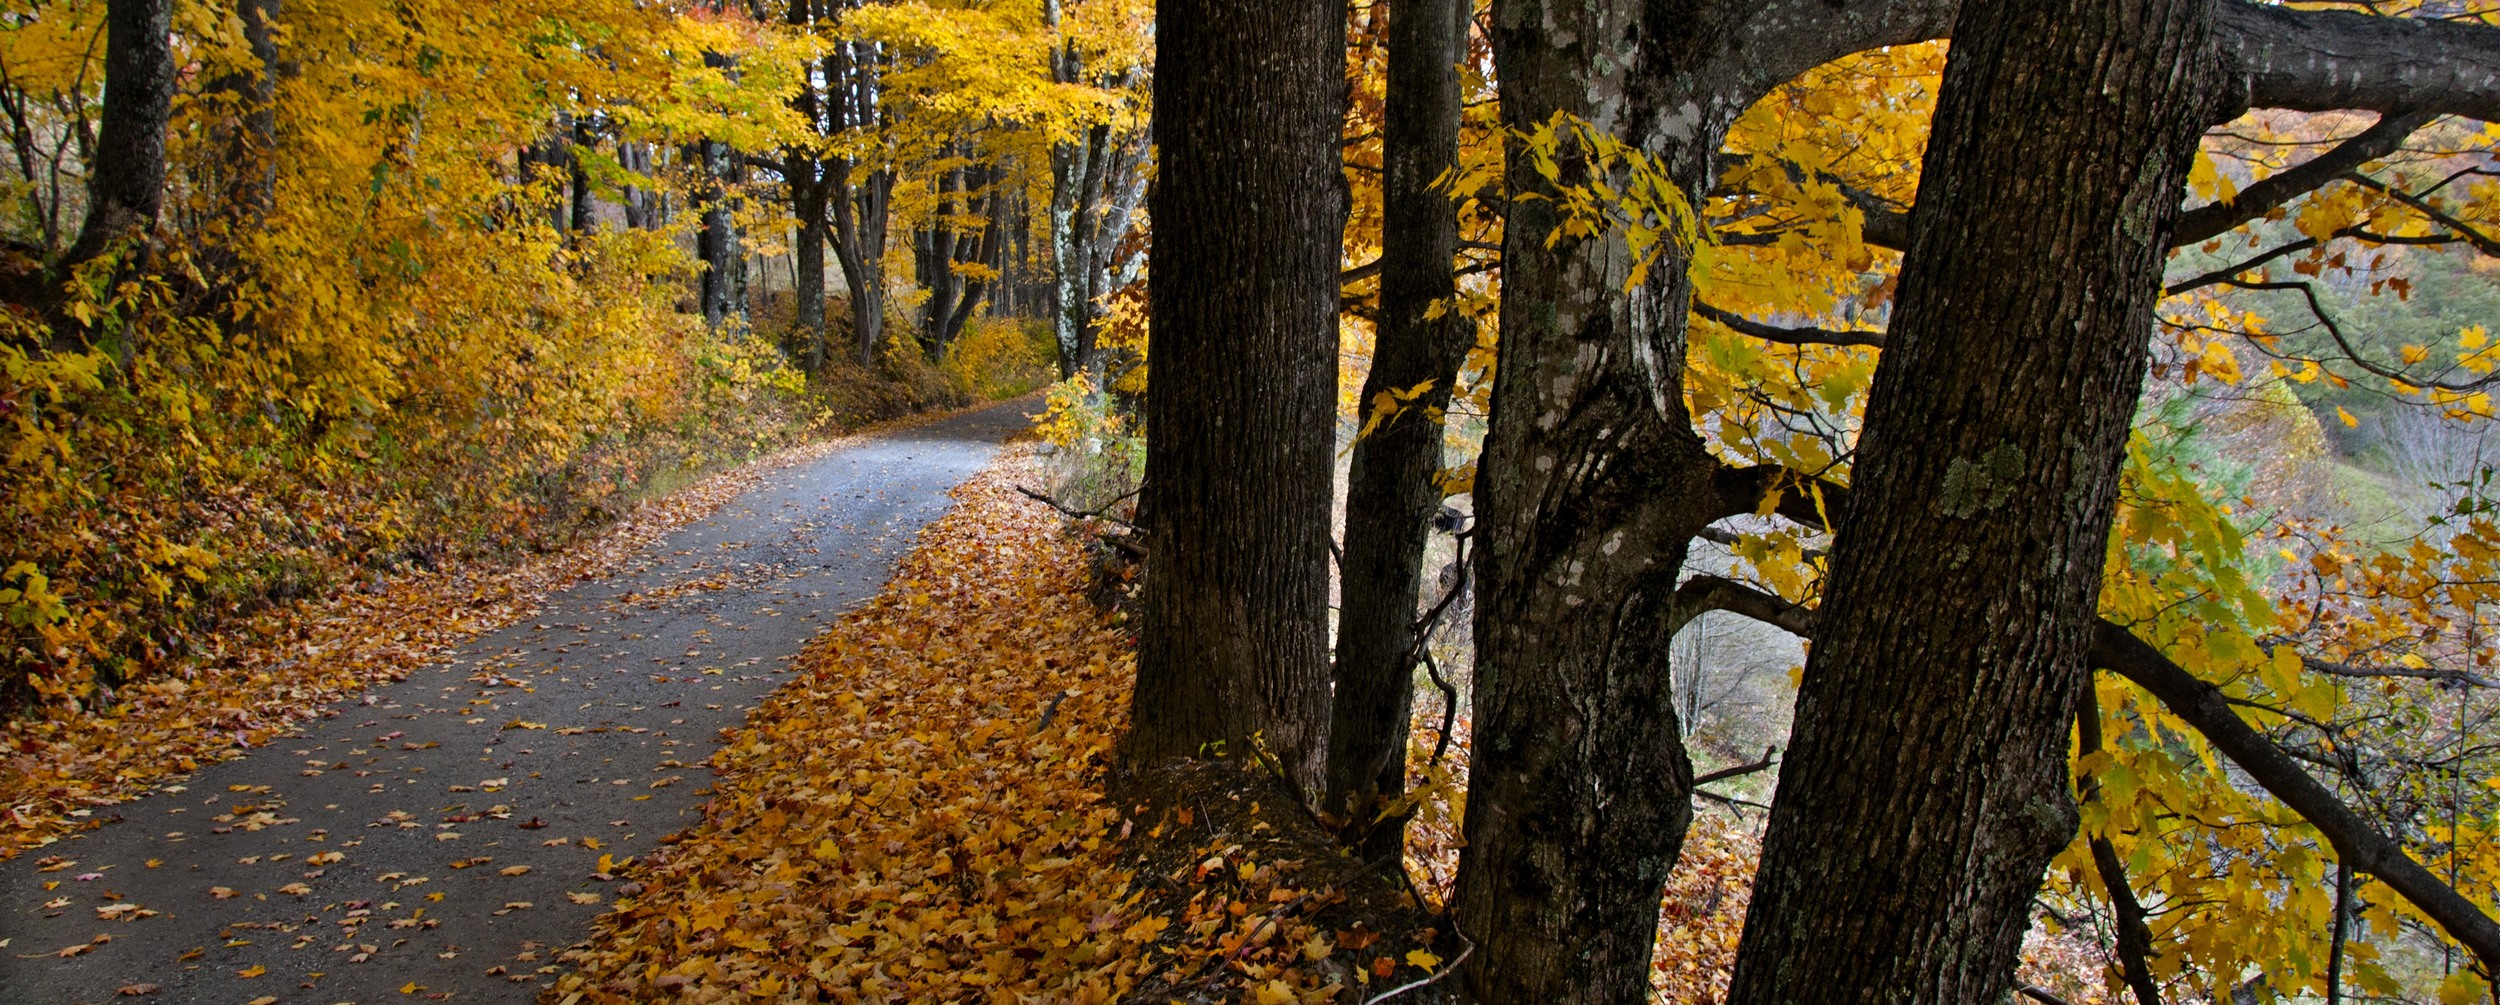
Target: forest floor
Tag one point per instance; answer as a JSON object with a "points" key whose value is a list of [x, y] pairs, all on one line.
{"points": [[442, 836]]}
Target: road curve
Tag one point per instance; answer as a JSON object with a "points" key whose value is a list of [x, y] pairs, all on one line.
{"points": [[440, 838]]}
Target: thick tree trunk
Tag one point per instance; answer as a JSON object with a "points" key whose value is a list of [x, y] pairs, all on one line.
{"points": [[859, 229], [583, 208], [1591, 487], [1925, 786], [988, 203], [126, 178], [717, 244], [1240, 408], [1391, 494], [808, 201], [1075, 170], [251, 141], [937, 263]]}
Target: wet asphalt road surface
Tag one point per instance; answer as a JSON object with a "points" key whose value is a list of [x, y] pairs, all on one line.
{"points": [[441, 839]]}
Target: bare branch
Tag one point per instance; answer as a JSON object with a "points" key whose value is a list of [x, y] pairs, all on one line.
{"points": [[1718, 593], [1768, 761], [2482, 242], [2334, 331], [2324, 60], [1786, 336]]}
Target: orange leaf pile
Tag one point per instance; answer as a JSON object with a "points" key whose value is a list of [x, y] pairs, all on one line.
{"points": [[919, 815]]}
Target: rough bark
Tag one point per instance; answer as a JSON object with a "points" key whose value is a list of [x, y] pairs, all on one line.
{"points": [[1391, 492], [1240, 408], [804, 173], [1928, 760], [251, 141], [126, 177], [807, 200], [1591, 486], [937, 262]]}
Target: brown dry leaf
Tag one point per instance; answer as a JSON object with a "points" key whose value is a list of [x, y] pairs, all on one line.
{"points": [[136, 990]]}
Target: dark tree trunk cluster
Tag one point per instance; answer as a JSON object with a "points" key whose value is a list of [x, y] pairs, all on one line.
{"points": [[1986, 478]]}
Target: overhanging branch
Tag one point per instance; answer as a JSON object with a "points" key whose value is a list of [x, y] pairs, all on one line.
{"points": [[2206, 709], [2212, 220]]}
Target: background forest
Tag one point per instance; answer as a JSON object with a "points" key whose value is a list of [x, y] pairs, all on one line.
{"points": [[306, 296]]}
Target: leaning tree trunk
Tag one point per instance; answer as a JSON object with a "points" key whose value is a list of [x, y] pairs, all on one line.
{"points": [[1241, 403], [1392, 493], [1926, 786], [126, 180]]}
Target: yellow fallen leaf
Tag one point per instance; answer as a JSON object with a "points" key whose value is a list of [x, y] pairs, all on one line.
{"points": [[515, 870], [582, 898], [254, 970], [1422, 959]]}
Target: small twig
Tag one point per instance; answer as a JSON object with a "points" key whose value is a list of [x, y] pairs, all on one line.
{"points": [[1049, 710], [1449, 707], [1097, 513], [1445, 971], [1742, 769], [2040, 994], [1730, 801]]}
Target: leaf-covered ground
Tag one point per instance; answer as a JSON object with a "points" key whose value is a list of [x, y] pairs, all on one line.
{"points": [[918, 816]]}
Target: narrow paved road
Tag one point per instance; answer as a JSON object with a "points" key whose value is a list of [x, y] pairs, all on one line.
{"points": [[441, 839]]}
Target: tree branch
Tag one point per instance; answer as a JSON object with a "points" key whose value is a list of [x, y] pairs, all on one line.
{"points": [[2482, 242], [1739, 490], [2214, 219], [2204, 707], [2334, 331], [1717, 593], [2326, 60], [1768, 761], [1785, 336]]}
